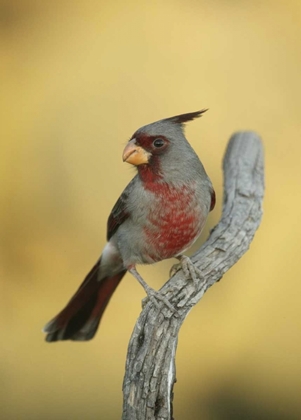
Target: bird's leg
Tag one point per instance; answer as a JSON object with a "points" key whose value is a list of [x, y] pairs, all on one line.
{"points": [[189, 269], [151, 293]]}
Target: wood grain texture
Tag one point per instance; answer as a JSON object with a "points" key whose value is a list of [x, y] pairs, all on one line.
{"points": [[150, 365]]}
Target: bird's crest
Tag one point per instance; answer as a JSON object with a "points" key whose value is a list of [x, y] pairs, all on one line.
{"points": [[171, 127], [183, 118]]}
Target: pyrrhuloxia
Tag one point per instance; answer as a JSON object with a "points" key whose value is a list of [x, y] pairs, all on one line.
{"points": [[159, 215]]}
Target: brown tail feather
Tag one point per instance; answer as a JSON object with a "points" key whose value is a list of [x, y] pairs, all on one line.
{"points": [[80, 318]]}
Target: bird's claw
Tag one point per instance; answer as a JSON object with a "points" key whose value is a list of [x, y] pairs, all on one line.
{"points": [[174, 269]]}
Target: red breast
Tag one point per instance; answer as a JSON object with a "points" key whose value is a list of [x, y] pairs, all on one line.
{"points": [[174, 223]]}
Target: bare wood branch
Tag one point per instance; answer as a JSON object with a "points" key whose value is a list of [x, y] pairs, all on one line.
{"points": [[150, 366]]}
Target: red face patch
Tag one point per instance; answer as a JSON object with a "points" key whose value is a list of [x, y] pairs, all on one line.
{"points": [[156, 145]]}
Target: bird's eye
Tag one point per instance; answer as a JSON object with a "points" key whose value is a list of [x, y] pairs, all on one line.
{"points": [[158, 143]]}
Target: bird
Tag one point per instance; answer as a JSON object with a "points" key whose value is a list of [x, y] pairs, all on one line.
{"points": [[158, 216]]}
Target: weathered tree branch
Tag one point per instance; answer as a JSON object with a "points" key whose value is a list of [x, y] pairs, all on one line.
{"points": [[150, 366]]}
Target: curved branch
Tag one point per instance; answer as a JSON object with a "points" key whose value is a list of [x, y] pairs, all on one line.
{"points": [[150, 366]]}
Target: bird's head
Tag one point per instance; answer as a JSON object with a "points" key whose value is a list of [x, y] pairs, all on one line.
{"points": [[161, 147]]}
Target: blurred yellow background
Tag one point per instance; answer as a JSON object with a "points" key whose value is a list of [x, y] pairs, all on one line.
{"points": [[77, 79]]}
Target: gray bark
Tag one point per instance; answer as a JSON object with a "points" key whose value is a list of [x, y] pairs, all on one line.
{"points": [[150, 365]]}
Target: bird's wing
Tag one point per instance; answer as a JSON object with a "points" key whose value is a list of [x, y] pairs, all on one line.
{"points": [[213, 199], [119, 212]]}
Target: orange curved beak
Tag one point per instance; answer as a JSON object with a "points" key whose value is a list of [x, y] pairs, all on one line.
{"points": [[135, 154]]}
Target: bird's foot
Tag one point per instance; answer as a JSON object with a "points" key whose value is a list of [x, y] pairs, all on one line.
{"points": [[152, 294], [189, 269], [157, 297]]}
